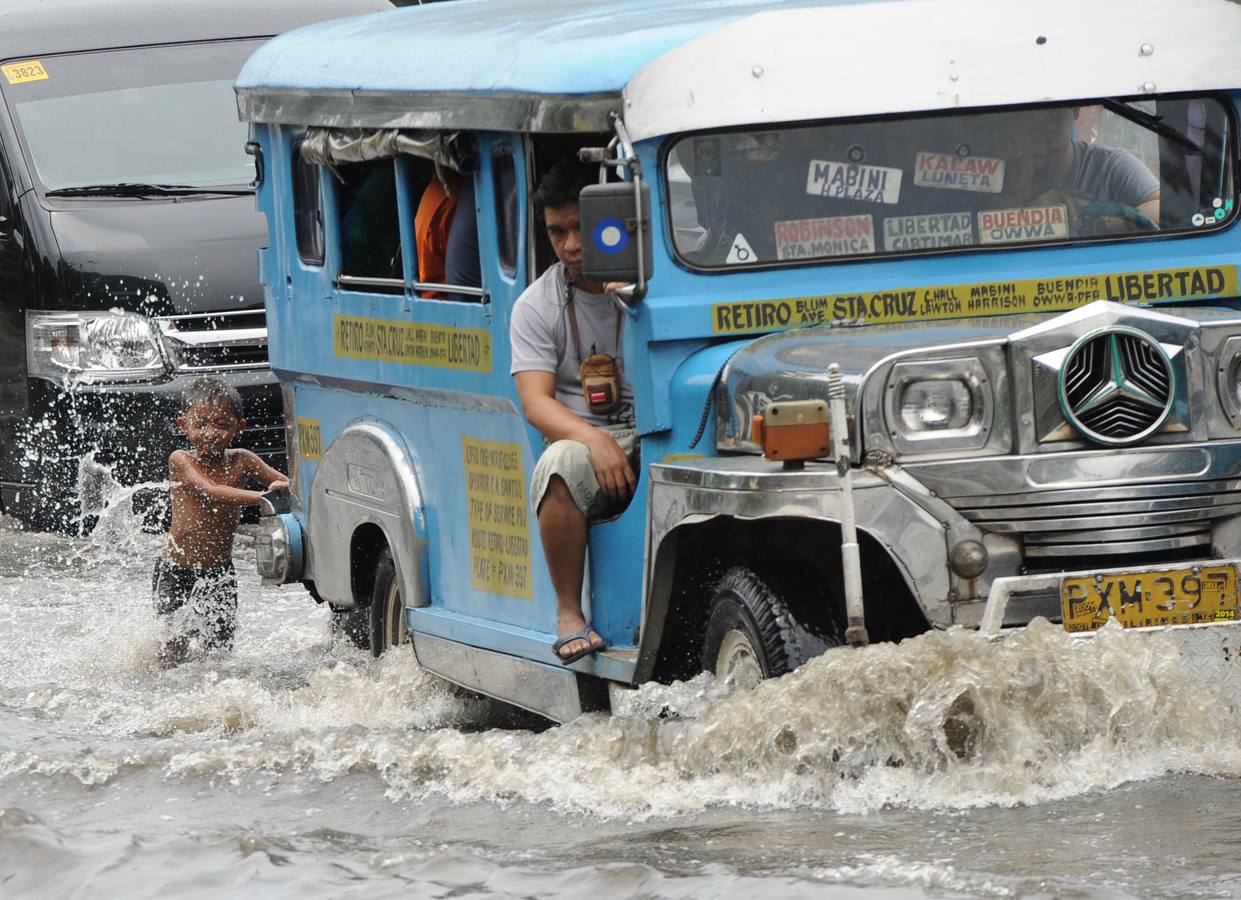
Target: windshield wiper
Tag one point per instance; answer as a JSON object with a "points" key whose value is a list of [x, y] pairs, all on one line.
{"points": [[137, 189], [1151, 122]]}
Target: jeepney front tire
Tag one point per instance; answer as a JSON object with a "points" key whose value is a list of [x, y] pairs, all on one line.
{"points": [[752, 633], [387, 612]]}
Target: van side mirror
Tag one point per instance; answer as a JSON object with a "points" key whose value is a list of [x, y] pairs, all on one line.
{"points": [[610, 232]]}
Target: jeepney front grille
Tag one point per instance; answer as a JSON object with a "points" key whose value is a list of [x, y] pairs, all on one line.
{"points": [[1108, 521], [202, 343]]}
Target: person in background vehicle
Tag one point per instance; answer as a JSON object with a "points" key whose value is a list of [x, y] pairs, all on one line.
{"points": [[569, 368], [194, 583]]}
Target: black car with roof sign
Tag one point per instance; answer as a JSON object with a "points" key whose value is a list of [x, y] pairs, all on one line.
{"points": [[127, 235]]}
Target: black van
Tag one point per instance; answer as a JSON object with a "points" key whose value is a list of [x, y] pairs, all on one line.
{"points": [[127, 235]]}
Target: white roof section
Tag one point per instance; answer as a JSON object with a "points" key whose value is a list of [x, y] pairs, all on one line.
{"points": [[864, 59]]}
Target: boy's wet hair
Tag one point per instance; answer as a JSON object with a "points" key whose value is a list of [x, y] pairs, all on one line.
{"points": [[563, 183], [212, 390]]}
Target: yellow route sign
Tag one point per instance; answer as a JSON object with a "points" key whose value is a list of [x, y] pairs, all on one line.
{"points": [[498, 515], [412, 343], [955, 301]]}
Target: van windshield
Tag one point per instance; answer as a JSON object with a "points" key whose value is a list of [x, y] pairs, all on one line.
{"points": [[149, 115], [927, 184]]}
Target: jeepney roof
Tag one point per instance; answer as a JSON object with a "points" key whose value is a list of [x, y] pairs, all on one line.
{"points": [[563, 65]]}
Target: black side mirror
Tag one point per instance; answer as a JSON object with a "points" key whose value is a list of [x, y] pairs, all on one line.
{"points": [[610, 233], [255, 149]]}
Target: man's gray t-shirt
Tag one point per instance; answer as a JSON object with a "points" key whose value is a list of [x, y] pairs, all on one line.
{"points": [[1110, 175], [542, 340]]}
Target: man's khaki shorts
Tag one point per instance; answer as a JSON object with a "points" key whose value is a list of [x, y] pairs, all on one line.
{"points": [[571, 461]]}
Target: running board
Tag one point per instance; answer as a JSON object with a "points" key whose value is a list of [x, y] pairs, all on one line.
{"points": [[551, 691]]}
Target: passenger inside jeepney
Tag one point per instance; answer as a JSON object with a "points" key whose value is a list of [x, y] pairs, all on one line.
{"points": [[1047, 163]]}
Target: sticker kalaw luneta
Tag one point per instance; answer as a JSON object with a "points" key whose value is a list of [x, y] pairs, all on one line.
{"points": [[1031, 223], [498, 517], [934, 230], [959, 173], [833, 236], [852, 181], [413, 343], [958, 301], [22, 72]]}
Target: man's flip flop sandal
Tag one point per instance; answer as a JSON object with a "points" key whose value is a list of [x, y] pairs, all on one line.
{"points": [[583, 635]]}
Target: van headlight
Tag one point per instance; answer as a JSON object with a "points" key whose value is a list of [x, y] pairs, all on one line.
{"points": [[938, 405], [96, 346]]}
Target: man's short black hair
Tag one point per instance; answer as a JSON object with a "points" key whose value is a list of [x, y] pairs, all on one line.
{"points": [[211, 390], [563, 184]]}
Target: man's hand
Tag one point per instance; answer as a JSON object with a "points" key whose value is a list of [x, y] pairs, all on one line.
{"points": [[612, 469], [280, 484]]}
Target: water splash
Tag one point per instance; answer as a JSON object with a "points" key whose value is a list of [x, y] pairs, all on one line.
{"points": [[114, 527], [947, 720]]}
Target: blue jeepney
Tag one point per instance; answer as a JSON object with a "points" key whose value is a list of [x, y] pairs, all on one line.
{"points": [[931, 321]]}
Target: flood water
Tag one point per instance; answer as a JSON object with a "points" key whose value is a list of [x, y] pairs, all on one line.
{"points": [[297, 766]]}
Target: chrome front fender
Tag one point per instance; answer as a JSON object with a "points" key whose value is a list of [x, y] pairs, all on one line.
{"points": [[751, 488]]}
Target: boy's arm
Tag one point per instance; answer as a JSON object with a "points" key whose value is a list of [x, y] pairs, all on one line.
{"points": [[262, 472], [183, 471]]}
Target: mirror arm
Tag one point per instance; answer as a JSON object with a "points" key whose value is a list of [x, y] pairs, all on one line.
{"points": [[637, 291]]}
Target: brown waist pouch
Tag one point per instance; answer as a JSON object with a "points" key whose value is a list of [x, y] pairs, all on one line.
{"points": [[600, 383]]}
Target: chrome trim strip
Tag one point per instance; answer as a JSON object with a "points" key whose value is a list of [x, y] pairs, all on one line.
{"points": [[232, 337], [549, 691], [365, 281], [346, 282], [224, 367], [465, 110], [1153, 545], [450, 289], [182, 317]]}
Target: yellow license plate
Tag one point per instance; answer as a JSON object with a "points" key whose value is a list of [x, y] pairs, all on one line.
{"points": [[1140, 599]]}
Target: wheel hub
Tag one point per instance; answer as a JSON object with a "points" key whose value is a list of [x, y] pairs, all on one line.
{"points": [[738, 661]]}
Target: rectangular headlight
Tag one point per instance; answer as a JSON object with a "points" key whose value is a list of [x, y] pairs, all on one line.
{"points": [[938, 405], [95, 346]]}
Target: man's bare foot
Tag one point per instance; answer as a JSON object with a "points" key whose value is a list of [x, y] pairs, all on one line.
{"points": [[583, 640]]}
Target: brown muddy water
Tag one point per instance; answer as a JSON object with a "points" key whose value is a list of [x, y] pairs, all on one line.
{"points": [[297, 766]]}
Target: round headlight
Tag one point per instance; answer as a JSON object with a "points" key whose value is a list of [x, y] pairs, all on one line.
{"points": [[935, 405]]}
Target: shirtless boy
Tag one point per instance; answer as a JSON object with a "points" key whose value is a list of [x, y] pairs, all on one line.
{"points": [[194, 582]]}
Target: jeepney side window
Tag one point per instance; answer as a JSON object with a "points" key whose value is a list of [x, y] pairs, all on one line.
{"points": [[369, 227], [504, 173], [443, 227], [307, 208]]}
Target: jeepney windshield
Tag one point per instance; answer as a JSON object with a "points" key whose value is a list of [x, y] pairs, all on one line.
{"points": [[935, 183], [161, 116]]}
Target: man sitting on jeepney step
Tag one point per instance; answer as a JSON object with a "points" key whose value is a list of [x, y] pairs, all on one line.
{"points": [[570, 375]]}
